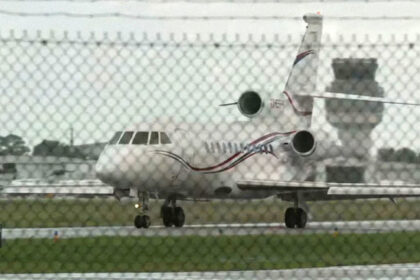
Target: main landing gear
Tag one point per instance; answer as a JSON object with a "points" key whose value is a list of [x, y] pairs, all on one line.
{"points": [[143, 220], [295, 217], [171, 214]]}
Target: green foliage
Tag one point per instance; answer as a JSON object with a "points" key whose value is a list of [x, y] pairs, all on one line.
{"points": [[13, 145], [405, 155], [206, 253], [57, 149], [386, 154]]}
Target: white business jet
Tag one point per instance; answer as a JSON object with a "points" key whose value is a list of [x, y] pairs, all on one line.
{"points": [[273, 153]]}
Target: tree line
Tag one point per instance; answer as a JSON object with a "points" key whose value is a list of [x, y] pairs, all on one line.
{"points": [[406, 155], [15, 145]]}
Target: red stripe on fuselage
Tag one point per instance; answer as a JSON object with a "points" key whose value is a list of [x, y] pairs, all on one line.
{"points": [[302, 113], [265, 137]]}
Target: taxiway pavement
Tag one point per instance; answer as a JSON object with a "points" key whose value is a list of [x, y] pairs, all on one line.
{"points": [[359, 227], [384, 272]]}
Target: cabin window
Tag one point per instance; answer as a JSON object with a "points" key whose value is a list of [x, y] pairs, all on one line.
{"points": [[207, 147], [141, 138], [230, 147], [154, 138], [212, 147], [126, 138], [115, 138], [236, 147], [218, 148], [164, 138]]}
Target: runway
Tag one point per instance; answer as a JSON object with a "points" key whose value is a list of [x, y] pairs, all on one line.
{"points": [[359, 227], [383, 272]]}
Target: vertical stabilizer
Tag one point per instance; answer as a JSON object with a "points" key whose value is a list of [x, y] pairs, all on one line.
{"points": [[303, 76]]}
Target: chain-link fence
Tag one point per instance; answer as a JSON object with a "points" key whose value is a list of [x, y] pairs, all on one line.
{"points": [[203, 154]]}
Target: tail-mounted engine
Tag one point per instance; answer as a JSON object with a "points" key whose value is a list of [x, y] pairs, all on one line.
{"points": [[303, 143], [250, 104]]}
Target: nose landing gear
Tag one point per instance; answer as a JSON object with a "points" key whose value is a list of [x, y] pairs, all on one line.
{"points": [[143, 220], [296, 217]]}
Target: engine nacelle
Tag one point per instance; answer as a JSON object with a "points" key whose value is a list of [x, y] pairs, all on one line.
{"points": [[303, 143], [250, 104]]}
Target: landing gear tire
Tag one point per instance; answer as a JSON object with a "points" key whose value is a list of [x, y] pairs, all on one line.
{"points": [[295, 217], [142, 221], [172, 216], [179, 217], [302, 218], [290, 217], [167, 216]]}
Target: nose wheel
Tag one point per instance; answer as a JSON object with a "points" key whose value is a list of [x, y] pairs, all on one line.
{"points": [[172, 215], [143, 220]]}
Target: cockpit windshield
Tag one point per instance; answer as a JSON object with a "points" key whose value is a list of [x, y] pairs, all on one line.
{"points": [[154, 138], [115, 138], [140, 138], [126, 138], [164, 138]]}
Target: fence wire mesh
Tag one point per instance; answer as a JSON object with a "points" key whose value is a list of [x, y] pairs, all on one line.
{"points": [[165, 155]]}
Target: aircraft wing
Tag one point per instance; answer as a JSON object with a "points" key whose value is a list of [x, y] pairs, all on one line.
{"points": [[350, 190], [57, 187]]}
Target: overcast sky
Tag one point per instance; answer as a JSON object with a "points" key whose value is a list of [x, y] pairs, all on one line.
{"points": [[50, 100]]}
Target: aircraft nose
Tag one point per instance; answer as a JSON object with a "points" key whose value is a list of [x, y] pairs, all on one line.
{"points": [[105, 169], [101, 171], [113, 167]]}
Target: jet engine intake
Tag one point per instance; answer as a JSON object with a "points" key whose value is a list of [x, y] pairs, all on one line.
{"points": [[250, 104], [303, 143]]}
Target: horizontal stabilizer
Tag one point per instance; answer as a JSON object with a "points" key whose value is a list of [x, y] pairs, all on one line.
{"points": [[355, 97]]}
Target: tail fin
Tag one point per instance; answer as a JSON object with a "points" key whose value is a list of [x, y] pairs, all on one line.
{"points": [[302, 79]]}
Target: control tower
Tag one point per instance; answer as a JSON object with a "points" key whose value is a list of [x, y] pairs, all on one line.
{"points": [[354, 120]]}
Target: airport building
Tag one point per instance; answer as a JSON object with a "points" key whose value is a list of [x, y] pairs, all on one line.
{"points": [[46, 167]]}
